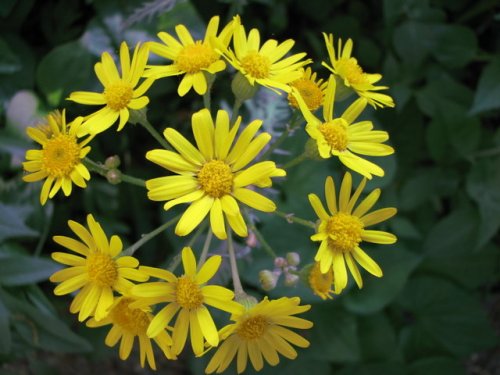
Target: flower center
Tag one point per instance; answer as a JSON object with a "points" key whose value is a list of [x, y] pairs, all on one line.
{"points": [[216, 178], [349, 69], [309, 91], [134, 321], [118, 95], [335, 133], [320, 283], [256, 65], [195, 57], [102, 269], [253, 327], [188, 293], [344, 231], [60, 155]]}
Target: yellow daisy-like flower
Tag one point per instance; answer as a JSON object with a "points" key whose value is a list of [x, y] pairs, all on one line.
{"points": [[346, 67], [189, 296], [342, 137], [260, 333], [192, 58], [311, 89], [342, 230], [128, 323], [96, 271], [321, 283], [59, 161], [214, 175], [121, 92], [264, 64]]}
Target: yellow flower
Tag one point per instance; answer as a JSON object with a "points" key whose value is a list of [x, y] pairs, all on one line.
{"points": [[96, 271], [59, 161], [260, 333], [321, 283], [213, 176], [342, 137], [311, 89], [121, 92], [264, 64], [192, 58], [128, 323], [351, 74], [343, 229], [189, 296]]}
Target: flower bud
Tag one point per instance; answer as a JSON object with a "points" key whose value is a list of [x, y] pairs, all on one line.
{"points": [[267, 280], [112, 162], [293, 259], [291, 279], [114, 176], [280, 262]]}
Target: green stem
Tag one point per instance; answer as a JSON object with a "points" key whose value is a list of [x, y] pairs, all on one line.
{"points": [[238, 288], [145, 238], [262, 240], [207, 100], [236, 110], [147, 125], [291, 218], [297, 160], [102, 170], [176, 260], [293, 125], [206, 246], [486, 153], [45, 230]]}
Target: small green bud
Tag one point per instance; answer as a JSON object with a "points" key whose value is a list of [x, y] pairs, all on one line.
{"points": [[291, 279], [114, 176], [293, 258], [280, 262], [112, 162], [267, 280]]}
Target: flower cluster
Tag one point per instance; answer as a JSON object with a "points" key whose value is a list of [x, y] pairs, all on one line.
{"points": [[224, 177]]}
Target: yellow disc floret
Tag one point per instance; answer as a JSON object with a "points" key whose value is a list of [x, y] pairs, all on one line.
{"points": [[102, 269], [215, 178], [118, 95], [350, 70], [256, 65], [344, 231], [320, 283], [195, 57], [188, 293], [60, 155], [335, 133], [134, 321], [253, 327]]}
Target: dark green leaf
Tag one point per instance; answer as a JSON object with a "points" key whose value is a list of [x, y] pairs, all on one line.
{"points": [[404, 228], [373, 330], [437, 366], [23, 270], [12, 221], [9, 61], [5, 336], [456, 45], [397, 264], [488, 90], [386, 368]]}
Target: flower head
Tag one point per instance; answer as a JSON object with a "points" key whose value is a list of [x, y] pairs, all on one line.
{"points": [[321, 283], [343, 229], [59, 161], [311, 89], [95, 272], [215, 175], [346, 67], [342, 137], [128, 323], [121, 92], [193, 59], [264, 64], [260, 333], [188, 296]]}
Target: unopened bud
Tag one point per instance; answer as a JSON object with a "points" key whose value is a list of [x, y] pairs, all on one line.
{"points": [[251, 240], [242, 88], [293, 258], [112, 162], [267, 280], [114, 176], [280, 262], [291, 279]]}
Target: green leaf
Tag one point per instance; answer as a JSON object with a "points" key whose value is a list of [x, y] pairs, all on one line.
{"points": [[413, 42], [5, 337], [483, 182], [437, 366], [447, 314], [12, 221], [386, 368], [65, 69], [376, 329], [9, 61], [397, 264], [334, 332], [488, 90], [456, 45], [22, 270], [404, 228]]}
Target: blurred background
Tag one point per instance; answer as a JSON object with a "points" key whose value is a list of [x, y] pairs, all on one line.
{"points": [[437, 308]]}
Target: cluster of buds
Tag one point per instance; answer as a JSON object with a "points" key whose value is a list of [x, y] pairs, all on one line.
{"points": [[282, 266], [113, 174]]}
